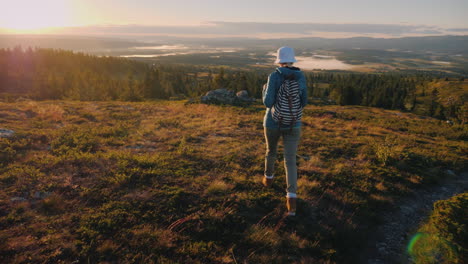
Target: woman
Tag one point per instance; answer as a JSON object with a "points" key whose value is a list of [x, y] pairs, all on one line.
{"points": [[274, 130]]}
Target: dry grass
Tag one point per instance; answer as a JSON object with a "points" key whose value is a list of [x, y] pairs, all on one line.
{"points": [[306, 186], [167, 182], [52, 112], [218, 187]]}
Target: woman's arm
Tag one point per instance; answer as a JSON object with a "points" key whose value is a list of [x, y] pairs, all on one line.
{"points": [[269, 94]]}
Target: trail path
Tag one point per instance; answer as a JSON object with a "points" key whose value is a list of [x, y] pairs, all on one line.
{"points": [[389, 242]]}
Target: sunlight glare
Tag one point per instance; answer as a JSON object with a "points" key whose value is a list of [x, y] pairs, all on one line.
{"points": [[33, 15]]}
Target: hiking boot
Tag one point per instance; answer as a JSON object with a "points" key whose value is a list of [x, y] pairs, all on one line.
{"points": [[291, 205], [267, 182]]}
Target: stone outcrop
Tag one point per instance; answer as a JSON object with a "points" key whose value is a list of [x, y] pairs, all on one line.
{"points": [[6, 133], [244, 96], [225, 96]]}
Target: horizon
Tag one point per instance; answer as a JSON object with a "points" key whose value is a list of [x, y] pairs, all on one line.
{"points": [[208, 19], [149, 39]]}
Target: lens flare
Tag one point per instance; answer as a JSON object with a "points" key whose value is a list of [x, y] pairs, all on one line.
{"points": [[430, 248], [27, 16], [413, 242]]}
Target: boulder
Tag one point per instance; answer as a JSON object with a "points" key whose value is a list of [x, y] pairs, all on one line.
{"points": [[225, 96], [219, 96], [450, 173], [18, 199], [41, 195], [6, 133], [244, 96]]}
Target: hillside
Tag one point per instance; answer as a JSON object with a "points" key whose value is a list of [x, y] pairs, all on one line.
{"points": [[443, 237], [441, 97], [43, 74], [166, 182]]}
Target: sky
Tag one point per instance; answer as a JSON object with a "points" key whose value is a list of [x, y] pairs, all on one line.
{"points": [[236, 18]]}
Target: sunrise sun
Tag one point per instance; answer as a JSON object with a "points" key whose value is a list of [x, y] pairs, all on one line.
{"points": [[33, 15]]}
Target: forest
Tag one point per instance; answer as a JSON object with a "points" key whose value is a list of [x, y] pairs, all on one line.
{"points": [[44, 74]]}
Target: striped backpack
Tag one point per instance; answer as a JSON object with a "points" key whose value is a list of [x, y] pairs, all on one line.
{"points": [[287, 109]]}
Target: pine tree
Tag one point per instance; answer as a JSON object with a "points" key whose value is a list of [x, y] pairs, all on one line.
{"points": [[219, 80]]}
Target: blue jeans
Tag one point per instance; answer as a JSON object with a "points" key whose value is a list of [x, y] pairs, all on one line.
{"points": [[290, 141]]}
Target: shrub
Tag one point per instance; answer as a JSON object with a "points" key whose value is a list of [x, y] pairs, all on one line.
{"points": [[75, 139], [444, 238], [10, 148], [387, 150], [23, 177], [52, 112]]}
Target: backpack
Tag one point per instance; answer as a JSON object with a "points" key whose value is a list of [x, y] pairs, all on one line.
{"points": [[287, 109]]}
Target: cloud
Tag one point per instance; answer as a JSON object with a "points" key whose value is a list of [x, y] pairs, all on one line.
{"points": [[222, 28], [307, 28], [457, 29]]}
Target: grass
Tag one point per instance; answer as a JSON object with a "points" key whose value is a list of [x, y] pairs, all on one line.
{"points": [[443, 238], [165, 182]]}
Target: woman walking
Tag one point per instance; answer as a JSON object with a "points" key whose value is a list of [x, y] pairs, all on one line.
{"points": [[284, 95]]}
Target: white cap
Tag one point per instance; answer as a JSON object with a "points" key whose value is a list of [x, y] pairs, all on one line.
{"points": [[285, 54]]}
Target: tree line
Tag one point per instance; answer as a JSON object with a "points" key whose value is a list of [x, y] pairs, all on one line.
{"points": [[60, 74], [422, 94]]}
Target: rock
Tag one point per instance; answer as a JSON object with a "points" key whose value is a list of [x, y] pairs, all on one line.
{"points": [[382, 250], [126, 107], [225, 96], [244, 96], [6, 133], [18, 199], [41, 195], [219, 96], [382, 245], [450, 172]]}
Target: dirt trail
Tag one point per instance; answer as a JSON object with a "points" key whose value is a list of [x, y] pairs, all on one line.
{"points": [[389, 242]]}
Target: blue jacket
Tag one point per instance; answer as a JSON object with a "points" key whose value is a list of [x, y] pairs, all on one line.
{"points": [[275, 79]]}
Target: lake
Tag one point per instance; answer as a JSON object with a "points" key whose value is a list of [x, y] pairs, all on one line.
{"points": [[322, 62], [317, 61], [312, 62], [172, 50]]}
